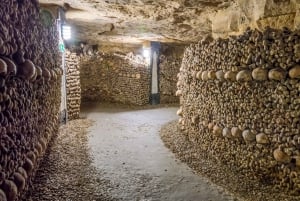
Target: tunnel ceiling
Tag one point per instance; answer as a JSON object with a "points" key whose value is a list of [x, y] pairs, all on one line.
{"points": [[130, 21]]}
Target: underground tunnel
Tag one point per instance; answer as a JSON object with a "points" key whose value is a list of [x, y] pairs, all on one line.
{"points": [[142, 100]]}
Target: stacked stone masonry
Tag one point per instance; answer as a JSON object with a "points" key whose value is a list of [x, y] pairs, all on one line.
{"points": [[240, 102], [109, 78], [73, 85], [29, 93]]}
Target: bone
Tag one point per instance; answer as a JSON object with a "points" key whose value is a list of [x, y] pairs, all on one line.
{"points": [[247, 100]]}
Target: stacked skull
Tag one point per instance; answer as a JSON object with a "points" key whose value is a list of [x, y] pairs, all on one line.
{"points": [[73, 85], [109, 78], [29, 93], [168, 70], [244, 91]]}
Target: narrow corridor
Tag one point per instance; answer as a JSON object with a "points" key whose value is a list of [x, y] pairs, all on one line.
{"points": [[126, 146], [128, 158]]}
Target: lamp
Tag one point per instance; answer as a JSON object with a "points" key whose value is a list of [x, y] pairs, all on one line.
{"points": [[66, 32], [146, 52]]}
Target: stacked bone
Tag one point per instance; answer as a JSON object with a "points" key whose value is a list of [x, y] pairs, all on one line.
{"points": [[73, 85], [114, 79], [29, 94], [240, 102], [169, 68]]}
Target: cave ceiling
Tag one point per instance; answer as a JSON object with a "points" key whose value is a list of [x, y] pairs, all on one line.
{"points": [[135, 21]]}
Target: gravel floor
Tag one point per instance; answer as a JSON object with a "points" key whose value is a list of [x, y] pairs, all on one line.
{"points": [[231, 180], [66, 173]]}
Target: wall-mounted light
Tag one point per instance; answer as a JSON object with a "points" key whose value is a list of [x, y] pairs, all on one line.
{"points": [[66, 32], [146, 52]]}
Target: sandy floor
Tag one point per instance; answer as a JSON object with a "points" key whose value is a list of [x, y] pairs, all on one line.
{"points": [[116, 154]]}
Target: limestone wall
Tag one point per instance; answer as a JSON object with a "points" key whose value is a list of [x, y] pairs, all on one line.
{"points": [[29, 93], [114, 79], [73, 85], [240, 103], [258, 14]]}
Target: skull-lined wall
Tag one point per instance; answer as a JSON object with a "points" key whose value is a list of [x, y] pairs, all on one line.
{"points": [[73, 87], [240, 103], [110, 78], [29, 93], [169, 65]]}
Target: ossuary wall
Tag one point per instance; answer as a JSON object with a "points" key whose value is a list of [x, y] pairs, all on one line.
{"points": [[29, 93], [110, 78], [73, 87], [240, 102], [169, 65]]}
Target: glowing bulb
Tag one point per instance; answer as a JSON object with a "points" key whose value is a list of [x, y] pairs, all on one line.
{"points": [[146, 53], [66, 32]]}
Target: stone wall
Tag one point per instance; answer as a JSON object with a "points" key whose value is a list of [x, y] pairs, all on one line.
{"points": [[240, 103], [257, 14], [29, 93], [73, 85], [112, 78], [170, 62]]}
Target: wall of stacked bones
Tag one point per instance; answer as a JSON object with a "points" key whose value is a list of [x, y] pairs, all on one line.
{"points": [[73, 85], [240, 103], [109, 78], [29, 93], [169, 65]]}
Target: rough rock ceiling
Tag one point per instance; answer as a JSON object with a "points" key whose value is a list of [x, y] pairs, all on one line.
{"points": [[132, 21]]}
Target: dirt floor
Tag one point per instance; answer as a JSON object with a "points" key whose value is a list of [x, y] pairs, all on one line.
{"points": [[116, 154], [66, 173]]}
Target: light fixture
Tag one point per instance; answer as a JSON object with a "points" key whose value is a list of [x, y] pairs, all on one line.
{"points": [[66, 32], [146, 52], [147, 55]]}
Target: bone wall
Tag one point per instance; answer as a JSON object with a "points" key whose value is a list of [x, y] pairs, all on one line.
{"points": [[169, 68], [240, 103], [73, 85], [29, 93], [169, 65], [110, 78]]}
